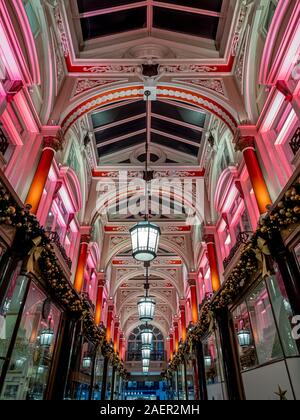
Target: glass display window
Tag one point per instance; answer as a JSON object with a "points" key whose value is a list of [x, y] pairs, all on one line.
{"points": [[263, 325], [31, 359], [297, 254]]}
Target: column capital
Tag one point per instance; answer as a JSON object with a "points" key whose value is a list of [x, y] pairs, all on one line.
{"points": [[245, 142], [53, 142], [192, 282], [111, 306], [85, 234], [209, 239], [192, 276], [101, 279]]}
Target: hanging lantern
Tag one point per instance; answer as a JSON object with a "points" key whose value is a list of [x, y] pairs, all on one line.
{"points": [[145, 240], [146, 308], [46, 337], [145, 369], [146, 351], [207, 361], [146, 363], [244, 337], [40, 370], [147, 336], [20, 362], [86, 362]]}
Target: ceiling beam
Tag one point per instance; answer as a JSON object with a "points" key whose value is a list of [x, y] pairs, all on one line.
{"points": [[120, 122], [181, 123], [183, 105], [172, 136], [187, 9], [112, 10], [113, 106], [116, 139]]}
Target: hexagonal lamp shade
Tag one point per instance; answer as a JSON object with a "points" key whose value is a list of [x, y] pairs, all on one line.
{"points": [[144, 240], [146, 351], [46, 337], [147, 336], [244, 337], [145, 369], [146, 363], [86, 361], [146, 308]]}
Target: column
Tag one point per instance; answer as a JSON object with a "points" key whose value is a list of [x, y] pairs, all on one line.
{"points": [[183, 320], [99, 301], [246, 145], [116, 335], [171, 346], [82, 258], [212, 259], [121, 345], [194, 300], [109, 321], [50, 146], [176, 334]]}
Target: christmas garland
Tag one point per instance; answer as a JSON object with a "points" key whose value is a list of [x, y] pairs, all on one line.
{"points": [[254, 256], [42, 260]]}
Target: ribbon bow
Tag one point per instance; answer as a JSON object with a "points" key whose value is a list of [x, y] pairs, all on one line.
{"points": [[34, 255], [262, 253]]}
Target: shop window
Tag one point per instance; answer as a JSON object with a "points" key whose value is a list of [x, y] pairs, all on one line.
{"points": [[263, 325], [297, 254], [9, 311], [213, 363], [31, 359]]}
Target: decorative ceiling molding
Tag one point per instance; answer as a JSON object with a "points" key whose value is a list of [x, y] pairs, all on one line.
{"points": [[163, 92], [84, 85], [215, 85]]}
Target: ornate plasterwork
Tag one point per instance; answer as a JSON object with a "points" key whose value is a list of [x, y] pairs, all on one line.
{"points": [[111, 68], [84, 85], [168, 92], [61, 31], [239, 28], [239, 67], [215, 85]]}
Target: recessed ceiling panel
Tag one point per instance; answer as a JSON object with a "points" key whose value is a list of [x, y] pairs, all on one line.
{"points": [[120, 130], [119, 113], [113, 23], [187, 23], [173, 144], [179, 113], [177, 130], [121, 145]]}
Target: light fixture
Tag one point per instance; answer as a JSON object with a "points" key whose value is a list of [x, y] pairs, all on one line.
{"points": [[145, 235], [145, 369], [146, 304], [46, 337], [147, 336], [146, 363], [207, 361], [86, 361], [244, 337], [146, 351], [144, 240], [146, 308], [20, 362]]}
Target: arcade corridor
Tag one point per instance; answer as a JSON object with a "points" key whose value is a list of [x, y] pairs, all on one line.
{"points": [[149, 200]]}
